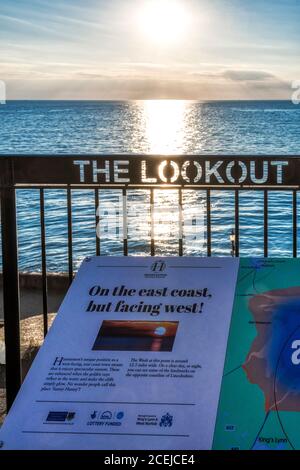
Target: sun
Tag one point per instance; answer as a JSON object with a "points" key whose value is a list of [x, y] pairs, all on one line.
{"points": [[160, 331], [163, 21]]}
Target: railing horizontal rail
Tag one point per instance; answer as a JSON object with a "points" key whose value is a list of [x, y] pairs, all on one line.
{"points": [[157, 186]]}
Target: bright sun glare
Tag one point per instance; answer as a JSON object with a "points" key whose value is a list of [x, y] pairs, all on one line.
{"points": [[163, 21]]}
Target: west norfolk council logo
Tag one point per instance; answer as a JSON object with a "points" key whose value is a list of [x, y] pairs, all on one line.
{"points": [[157, 269], [166, 421]]}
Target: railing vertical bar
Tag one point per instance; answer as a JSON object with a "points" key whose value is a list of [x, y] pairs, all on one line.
{"points": [[237, 224], [11, 292], [208, 221], [180, 215], [295, 224], [266, 226], [70, 234], [152, 222], [44, 262], [97, 220], [125, 224]]}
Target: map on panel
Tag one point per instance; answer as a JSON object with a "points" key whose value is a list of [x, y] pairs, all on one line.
{"points": [[260, 396]]}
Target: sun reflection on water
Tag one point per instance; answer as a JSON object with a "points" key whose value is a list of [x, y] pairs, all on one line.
{"points": [[164, 123]]}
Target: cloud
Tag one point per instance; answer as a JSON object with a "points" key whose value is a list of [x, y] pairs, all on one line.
{"points": [[105, 88], [248, 75], [67, 80], [28, 24]]}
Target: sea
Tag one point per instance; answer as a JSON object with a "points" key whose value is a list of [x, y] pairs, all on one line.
{"points": [[149, 127]]}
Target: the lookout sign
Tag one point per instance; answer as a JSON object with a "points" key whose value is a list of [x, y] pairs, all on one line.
{"points": [[183, 171], [151, 170]]}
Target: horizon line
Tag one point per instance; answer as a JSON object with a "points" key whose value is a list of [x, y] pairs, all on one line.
{"points": [[151, 99]]}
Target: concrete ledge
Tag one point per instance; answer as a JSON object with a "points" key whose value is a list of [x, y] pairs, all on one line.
{"points": [[55, 281], [31, 298]]}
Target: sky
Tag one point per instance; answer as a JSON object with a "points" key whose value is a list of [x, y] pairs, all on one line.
{"points": [[149, 49]]}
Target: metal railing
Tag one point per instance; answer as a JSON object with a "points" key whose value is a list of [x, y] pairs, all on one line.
{"points": [[125, 172]]}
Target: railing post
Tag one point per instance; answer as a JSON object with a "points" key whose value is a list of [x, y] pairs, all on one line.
{"points": [[208, 221], [266, 224], [11, 293], [295, 224]]}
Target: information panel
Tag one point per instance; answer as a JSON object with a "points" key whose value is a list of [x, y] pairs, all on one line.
{"points": [[260, 397], [134, 359]]}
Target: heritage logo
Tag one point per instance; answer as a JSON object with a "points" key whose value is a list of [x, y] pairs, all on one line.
{"points": [[158, 266], [157, 270]]}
